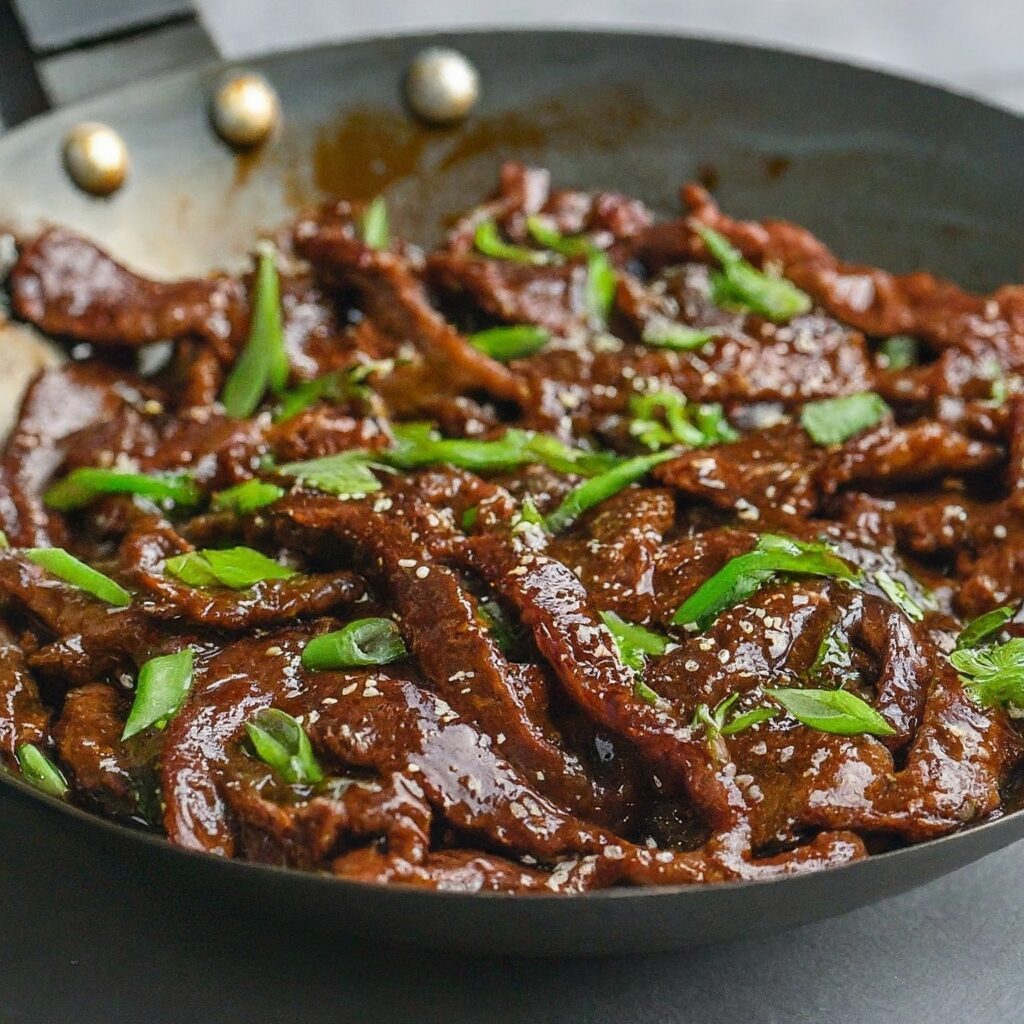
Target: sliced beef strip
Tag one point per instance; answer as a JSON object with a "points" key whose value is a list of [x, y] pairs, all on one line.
{"points": [[68, 286], [267, 603], [23, 716], [88, 739]]}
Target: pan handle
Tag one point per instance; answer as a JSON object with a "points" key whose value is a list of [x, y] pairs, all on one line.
{"points": [[21, 93]]}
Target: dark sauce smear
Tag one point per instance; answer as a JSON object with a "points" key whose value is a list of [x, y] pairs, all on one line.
{"points": [[549, 716]]}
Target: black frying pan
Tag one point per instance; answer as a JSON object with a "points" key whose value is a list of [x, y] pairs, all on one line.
{"points": [[886, 171]]}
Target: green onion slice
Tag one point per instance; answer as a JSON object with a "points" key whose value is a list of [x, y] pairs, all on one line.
{"points": [[660, 332], [488, 241], [507, 343], [280, 741], [40, 771], [237, 568], [834, 711], [834, 420], [74, 571], [163, 684], [900, 352], [248, 497], [600, 488], [551, 238], [984, 626], [741, 577], [634, 642], [263, 362], [346, 474], [375, 226], [372, 641], [84, 485], [741, 284]]}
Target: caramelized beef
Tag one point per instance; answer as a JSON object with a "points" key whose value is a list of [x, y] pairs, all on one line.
{"points": [[514, 740]]}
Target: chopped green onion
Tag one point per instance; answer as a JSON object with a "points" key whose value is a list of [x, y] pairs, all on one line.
{"points": [[529, 513], [417, 445], [248, 497], [503, 630], [362, 642], [469, 517], [599, 294], [550, 238], [237, 568], [993, 675], [634, 643], [488, 241], [715, 721], [897, 592], [600, 488], [263, 362], [838, 712], [74, 571], [40, 771], [747, 719], [741, 284], [336, 386], [645, 693], [84, 485], [162, 687], [4, 542], [660, 332], [346, 474], [375, 224], [900, 352], [984, 626], [507, 343], [280, 741], [834, 420], [697, 426], [743, 576]]}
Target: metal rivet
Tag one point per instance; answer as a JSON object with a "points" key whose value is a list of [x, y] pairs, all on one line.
{"points": [[96, 158], [442, 85], [245, 109]]}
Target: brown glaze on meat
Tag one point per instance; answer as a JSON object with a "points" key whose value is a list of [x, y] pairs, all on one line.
{"points": [[512, 748]]}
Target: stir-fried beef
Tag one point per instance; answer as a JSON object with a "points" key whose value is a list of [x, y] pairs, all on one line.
{"points": [[586, 550]]}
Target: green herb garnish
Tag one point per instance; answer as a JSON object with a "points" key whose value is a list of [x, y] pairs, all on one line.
{"points": [[599, 293], [645, 693], [281, 742], [74, 571], [345, 474], [237, 568], [374, 226], [834, 711], [163, 684], [418, 444], [362, 642], [660, 332], [550, 238], [900, 352], [834, 420], [741, 284], [248, 497], [716, 724], [336, 386], [488, 241], [897, 592], [743, 576], [4, 542], [263, 363], [634, 643], [507, 343], [40, 771], [600, 488], [502, 628], [84, 485], [694, 425], [993, 675], [984, 626]]}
